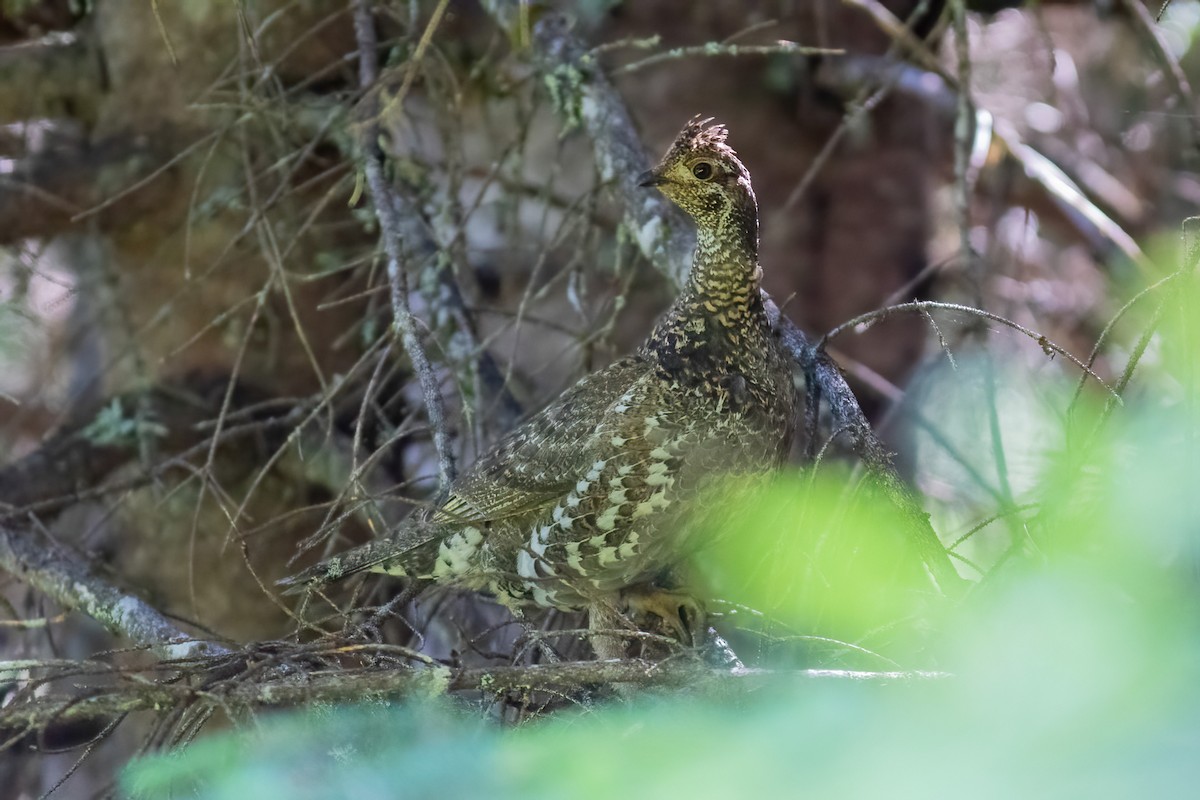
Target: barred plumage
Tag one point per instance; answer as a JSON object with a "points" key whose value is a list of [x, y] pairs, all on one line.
{"points": [[590, 500]]}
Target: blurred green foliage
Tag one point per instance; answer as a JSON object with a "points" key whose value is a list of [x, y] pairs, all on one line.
{"points": [[1075, 676], [823, 554], [1075, 661]]}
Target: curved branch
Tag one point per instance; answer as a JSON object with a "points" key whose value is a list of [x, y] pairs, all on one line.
{"points": [[923, 306]]}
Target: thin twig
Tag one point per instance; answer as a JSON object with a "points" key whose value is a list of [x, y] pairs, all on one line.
{"points": [[901, 33], [964, 131], [922, 306], [390, 227], [863, 103], [721, 49], [1143, 25], [1108, 329], [856, 77]]}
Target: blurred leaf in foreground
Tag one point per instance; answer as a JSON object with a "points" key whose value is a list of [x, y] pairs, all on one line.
{"points": [[813, 556], [1076, 675], [1075, 661]]}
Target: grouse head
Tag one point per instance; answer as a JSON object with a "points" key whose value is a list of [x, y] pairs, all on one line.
{"points": [[702, 175]]}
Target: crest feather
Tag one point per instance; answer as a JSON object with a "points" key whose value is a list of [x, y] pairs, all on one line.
{"points": [[698, 134]]}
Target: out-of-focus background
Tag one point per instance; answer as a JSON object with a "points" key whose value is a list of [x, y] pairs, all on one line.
{"points": [[199, 383]]}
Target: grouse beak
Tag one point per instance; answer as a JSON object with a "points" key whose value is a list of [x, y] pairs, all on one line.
{"points": [[650, 178]]}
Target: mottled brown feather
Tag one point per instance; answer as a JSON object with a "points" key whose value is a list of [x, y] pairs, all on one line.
{"points": [[600, 491]]}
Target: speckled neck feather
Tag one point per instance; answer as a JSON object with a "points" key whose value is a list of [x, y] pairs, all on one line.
{"points": [[720, 303]]}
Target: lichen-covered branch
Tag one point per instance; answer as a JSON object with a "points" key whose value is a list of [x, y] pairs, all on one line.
{"points": [[589, 98], [731, 50], [71, 581], [351, 685], [391, 228]]}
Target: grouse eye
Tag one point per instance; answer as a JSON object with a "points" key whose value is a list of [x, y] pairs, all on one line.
{"points": [[703, 170]]}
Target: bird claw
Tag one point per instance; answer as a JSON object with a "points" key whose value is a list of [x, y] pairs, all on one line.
{"points": [[682, 615]]}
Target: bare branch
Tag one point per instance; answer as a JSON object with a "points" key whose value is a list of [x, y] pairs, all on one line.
{"points": [[901, 35], [964, 135], [662, 232], [1028, 177]]}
